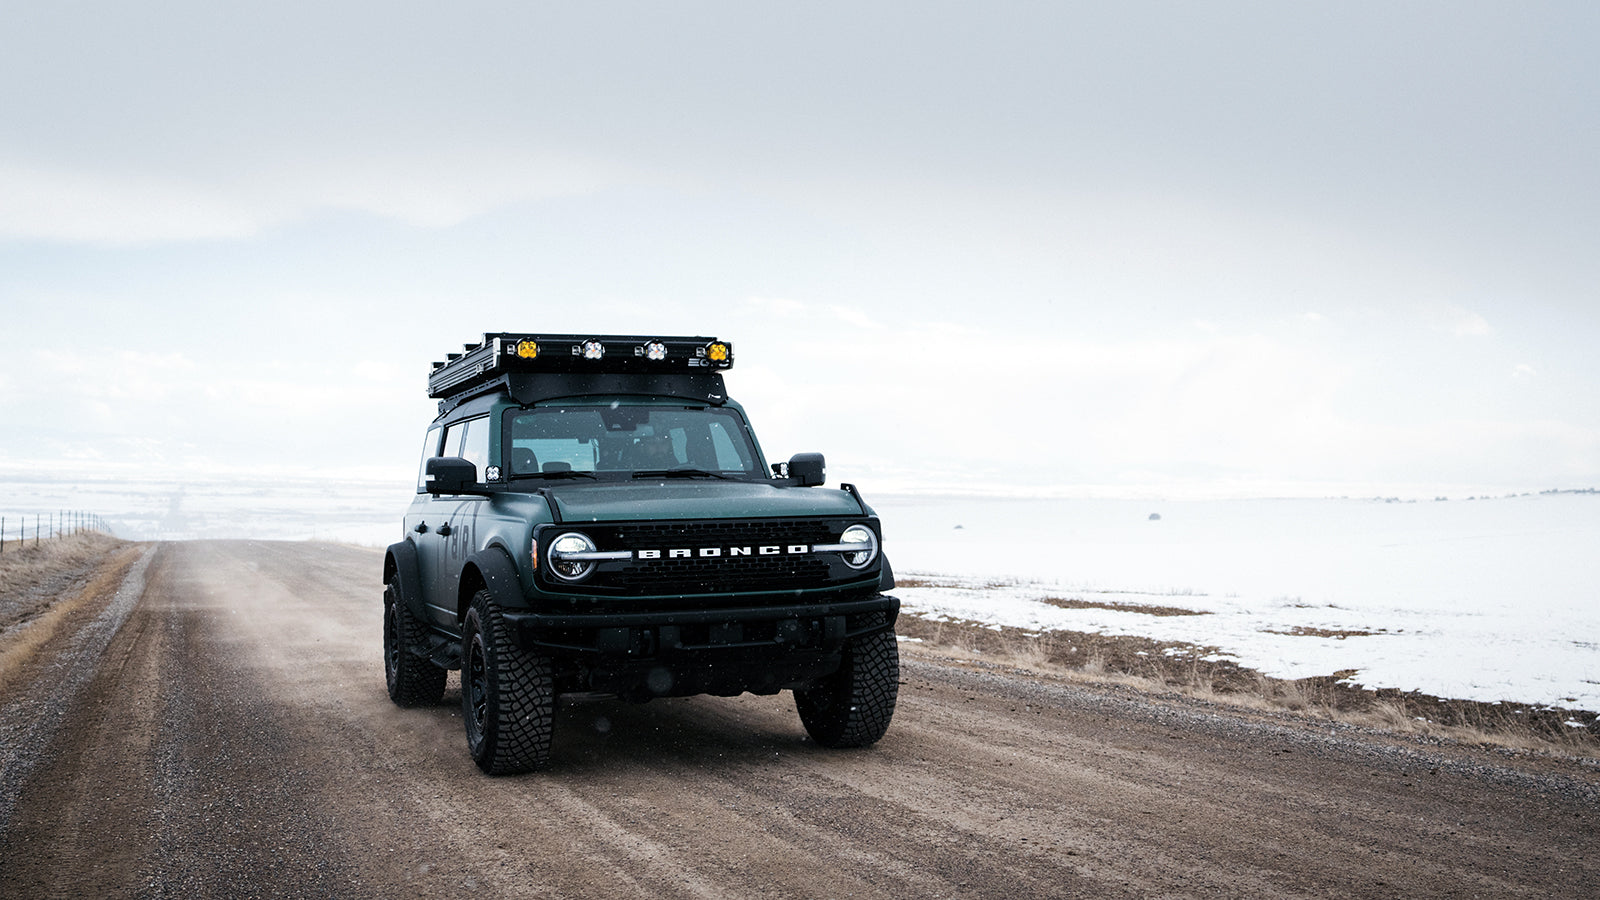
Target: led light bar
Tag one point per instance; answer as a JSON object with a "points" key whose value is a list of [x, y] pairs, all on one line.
{"points": [[508, 353]]}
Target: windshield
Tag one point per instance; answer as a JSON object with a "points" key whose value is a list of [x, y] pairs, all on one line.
{"points": [[623, 440]]}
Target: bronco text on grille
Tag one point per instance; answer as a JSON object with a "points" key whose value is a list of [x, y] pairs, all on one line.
{"points": [[714, 557]]}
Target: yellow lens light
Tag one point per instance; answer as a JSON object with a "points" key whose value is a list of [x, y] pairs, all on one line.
{"points": [[717, 352], [527, 349]]}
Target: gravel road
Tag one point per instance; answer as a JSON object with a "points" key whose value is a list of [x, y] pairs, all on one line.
{"points": [[232, 738]]}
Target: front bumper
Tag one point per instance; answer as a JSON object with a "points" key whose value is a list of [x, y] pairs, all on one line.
{"points": [[818, 626], [642, 655]]}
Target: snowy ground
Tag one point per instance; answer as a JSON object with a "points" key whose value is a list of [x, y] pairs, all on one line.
{"points": [[1487, 599], [356, 511], [1490, 599]]}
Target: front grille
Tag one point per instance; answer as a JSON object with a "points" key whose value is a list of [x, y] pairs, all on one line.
{"points": [[723, 573], [715, 576]]}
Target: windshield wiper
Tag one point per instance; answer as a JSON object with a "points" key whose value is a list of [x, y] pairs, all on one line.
{"points": [[679, 473], [564, 473]]}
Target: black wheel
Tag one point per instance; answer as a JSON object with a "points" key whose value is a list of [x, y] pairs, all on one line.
{"points": [[413, 680], [853, 706], [507, 695]]}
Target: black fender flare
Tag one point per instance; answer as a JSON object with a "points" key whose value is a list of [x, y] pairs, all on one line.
{"points": [[495, 571], [400, 563], [886, 575]]}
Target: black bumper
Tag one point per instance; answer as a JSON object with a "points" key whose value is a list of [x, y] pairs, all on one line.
{"points": [[809, 626], [639, 656]]}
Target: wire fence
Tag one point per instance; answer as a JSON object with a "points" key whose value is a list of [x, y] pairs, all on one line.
{"points": [[47, 527]]}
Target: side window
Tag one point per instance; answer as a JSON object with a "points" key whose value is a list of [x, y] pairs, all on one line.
{"points": [[430, 449], [452, 439], [470, 441], [475, 446]]}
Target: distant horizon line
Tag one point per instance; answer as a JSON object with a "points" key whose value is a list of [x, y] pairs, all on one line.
{"points": [[15, 472]]}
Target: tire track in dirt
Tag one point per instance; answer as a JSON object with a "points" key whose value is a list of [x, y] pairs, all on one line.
{"points": [[32, 714]]}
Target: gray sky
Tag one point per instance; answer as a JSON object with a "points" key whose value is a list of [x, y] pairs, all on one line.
{"points": [[1180, 247]]}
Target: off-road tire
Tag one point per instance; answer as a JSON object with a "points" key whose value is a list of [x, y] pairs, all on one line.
{"points": [[853, 706], [507, 694], [412, 679]]}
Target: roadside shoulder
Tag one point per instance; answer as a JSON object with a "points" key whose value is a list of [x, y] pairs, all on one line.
{"points": [[1573, 778], [50, 661]]}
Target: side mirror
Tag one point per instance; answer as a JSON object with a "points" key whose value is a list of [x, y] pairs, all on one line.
{"points": [[807, 469], [451, 475]]}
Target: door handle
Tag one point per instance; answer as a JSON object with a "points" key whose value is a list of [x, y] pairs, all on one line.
{"points": [[422, 528], [444, 530]]}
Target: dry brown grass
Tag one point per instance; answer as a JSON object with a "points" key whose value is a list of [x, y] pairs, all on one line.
{"points": [[1194, 671], [1147, 609], [1337, 634], [43, 587], [27, 564]]}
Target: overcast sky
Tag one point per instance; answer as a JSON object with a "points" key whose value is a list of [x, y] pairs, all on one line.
{"points": [[1094, 248]]}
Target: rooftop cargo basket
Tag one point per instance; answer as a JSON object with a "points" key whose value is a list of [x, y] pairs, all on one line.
{"points": [[535, 367]]}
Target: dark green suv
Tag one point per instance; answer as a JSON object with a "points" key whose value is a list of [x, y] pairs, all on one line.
{"points": [[594, 515]]}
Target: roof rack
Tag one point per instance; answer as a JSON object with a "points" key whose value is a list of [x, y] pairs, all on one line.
{"points": [[540, 366]]}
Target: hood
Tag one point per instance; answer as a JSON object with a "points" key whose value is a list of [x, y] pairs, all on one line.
{"points": [[653, 499]]}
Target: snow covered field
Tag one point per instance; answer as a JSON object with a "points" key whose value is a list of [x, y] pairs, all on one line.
{"points": [[356, 511], [1487, 599]]}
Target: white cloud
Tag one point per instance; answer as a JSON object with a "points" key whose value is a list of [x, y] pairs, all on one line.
{"points": [[439, 187], [854, 317], [418, 186], [1024, 406], [776, 306], [1459, 322], [1471, 325], [949, 407], [382, 372], [70, 205], [105, 373]]}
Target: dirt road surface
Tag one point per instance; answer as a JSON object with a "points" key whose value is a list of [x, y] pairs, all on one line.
{"points": [[226, 733]]}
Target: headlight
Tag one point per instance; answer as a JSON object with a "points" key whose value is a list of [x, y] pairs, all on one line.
{"points": [[859, 536], [567, 556]]}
